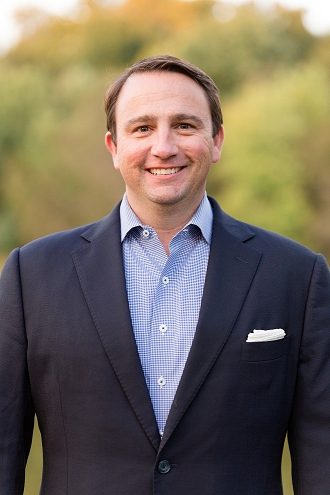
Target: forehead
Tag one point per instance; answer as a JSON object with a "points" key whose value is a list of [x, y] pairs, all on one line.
{"points": [[161, 91]]}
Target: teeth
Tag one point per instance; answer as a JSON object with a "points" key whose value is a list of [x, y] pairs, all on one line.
{"points": [[164, 171]]}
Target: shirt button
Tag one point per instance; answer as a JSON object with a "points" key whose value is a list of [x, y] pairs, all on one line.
{"points": [[145, 233], [165, 280], [161, 381], [161, 432], [163, 328], [164, 467]]}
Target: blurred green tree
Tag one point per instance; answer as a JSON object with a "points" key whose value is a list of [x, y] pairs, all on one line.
{"points": [[55, 173], [263, 175]]}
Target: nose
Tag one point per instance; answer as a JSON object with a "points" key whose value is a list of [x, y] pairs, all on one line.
{"points": [[164, 146]]}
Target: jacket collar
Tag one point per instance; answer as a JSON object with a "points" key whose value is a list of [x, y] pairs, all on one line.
{"points": [[240, 230]]}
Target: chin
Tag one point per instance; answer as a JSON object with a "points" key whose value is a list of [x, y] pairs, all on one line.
{"points": [[167, 199]]}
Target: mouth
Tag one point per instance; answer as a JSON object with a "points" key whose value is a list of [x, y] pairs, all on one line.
{"points": [[165, 171]]}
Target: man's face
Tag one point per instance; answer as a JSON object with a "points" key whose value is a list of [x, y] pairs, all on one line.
{"points": [[164, 147]]}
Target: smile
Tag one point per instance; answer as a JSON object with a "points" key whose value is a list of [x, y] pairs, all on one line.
{"points": [[164, 171]]}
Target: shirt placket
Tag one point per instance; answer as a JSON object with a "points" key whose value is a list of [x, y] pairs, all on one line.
{"points": [[164, 328]]}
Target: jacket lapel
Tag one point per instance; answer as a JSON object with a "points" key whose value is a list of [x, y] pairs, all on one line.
{"points": [[101, 274], [232, 266]]}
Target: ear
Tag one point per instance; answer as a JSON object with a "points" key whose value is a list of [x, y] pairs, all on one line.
{"points": [[217, 142], [113, 149]]}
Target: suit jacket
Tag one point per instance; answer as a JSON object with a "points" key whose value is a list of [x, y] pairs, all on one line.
{"points": [[67, 352]]}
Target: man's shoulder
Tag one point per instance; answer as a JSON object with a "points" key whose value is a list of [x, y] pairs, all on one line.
{"points": [[259, 238], [70, 240]]}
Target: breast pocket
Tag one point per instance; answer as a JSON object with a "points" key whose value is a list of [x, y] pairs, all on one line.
{"points": [[265, 351]]}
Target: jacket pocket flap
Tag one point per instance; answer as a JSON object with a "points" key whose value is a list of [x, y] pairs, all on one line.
{"points": [[265, 351]]}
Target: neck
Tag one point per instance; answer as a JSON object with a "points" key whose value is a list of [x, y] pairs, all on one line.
{"points": [[166, 220]]}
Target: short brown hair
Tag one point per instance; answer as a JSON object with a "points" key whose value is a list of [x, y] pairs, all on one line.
{"points": [[169, 64]]}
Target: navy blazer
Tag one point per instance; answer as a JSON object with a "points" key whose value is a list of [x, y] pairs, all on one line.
{"points": [[68, 354]]}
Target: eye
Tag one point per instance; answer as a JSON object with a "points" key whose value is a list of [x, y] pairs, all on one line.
{"points": [[143, 128], [184, 127]]}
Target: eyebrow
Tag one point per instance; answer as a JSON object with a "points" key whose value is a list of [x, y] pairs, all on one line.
{"points": [[139, 120], [144, 119], [192, 118]]}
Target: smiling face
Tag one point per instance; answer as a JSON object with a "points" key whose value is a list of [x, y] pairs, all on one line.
{"points": [[164, 145]]}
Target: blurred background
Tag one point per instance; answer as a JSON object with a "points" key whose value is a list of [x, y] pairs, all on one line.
{"points": [[271, 63]]}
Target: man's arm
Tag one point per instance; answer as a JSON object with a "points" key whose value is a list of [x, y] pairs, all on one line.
{"points": [[309, 432], [16, 410]]}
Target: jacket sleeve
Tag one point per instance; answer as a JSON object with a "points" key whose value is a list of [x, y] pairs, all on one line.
{"points": [[16, 410], [309, 432]]}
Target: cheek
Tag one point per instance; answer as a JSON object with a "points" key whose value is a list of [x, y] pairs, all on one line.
{"points": [[130, 157], [197, 149], [200, 152]]}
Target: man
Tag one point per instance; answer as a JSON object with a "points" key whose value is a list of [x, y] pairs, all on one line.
{"points": [[133, 338]]}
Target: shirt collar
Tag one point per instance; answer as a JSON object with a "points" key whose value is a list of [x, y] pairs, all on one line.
{"points": [[203, 218]]}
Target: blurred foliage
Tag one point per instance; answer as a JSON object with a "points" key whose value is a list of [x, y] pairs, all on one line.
{"points": [[274, 80], [264, 172], [58, 171]]}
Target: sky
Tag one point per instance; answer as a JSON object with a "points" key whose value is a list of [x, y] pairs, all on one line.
{"points": [[316, 17]]}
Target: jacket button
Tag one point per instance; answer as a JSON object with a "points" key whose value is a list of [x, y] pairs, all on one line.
{"points": [[164, 467]]}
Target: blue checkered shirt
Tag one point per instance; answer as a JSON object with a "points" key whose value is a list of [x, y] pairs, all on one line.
{"points": [[164, 296]]}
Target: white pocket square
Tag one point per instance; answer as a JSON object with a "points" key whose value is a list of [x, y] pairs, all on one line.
{"points": [[266, 335]]}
